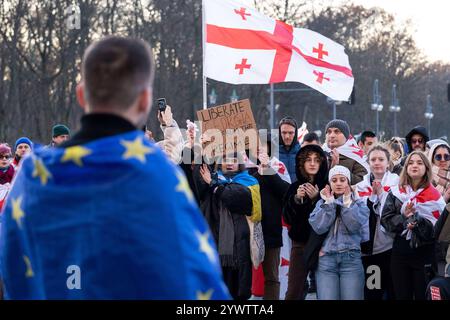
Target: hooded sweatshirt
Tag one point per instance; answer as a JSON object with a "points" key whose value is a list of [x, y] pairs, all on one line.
{"points": [[297, 214], [288, 153], [416, 130]]}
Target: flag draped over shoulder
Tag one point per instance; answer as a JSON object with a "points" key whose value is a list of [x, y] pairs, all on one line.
{"points": [[244, 46], [351, 150], [117, 211]]}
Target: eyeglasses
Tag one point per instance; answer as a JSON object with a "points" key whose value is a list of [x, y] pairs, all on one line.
{"points": [[5, 157], [439, 157], [414, 141]]}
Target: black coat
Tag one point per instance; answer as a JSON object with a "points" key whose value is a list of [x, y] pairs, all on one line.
{"points": [[272, 189], [238, 200], [297, 215], [367, 247], [395, 222], [442, 235], [187, 167]]}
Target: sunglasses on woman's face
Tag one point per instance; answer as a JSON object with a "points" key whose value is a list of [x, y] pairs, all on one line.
{"points": [[5, 157], [442, 157]]}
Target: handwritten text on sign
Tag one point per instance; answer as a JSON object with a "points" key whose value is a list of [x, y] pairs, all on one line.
{"points": [[233, 120]]}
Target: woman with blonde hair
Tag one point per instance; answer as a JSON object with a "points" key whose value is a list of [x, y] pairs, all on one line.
{"points": [[410, 212]]}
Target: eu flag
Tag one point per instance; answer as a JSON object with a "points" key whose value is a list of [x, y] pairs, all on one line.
{"points": [[109, 219]]}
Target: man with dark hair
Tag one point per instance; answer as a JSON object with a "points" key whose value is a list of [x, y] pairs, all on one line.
{"points": [[106, 215], [311, 138], [367, 141], [289, 145], [417, 139]]}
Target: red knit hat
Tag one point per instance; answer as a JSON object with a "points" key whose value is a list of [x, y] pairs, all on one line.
{"points": [[5, 149]]}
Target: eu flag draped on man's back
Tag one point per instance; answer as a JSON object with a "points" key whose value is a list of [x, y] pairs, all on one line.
{"points": [[110, 219]]}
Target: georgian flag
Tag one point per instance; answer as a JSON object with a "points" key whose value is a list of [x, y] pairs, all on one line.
{"points": [[351, 150], [301, 132], [428, 203], [364, 188], [244, 46]]}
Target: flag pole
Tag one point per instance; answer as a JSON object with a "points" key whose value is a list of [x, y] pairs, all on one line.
{"points": [[205, 102]]}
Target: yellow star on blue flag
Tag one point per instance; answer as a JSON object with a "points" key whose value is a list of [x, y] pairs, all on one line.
{"points": [[75, 154], [205, 295], [135, 149], [205, 246], [29, 273], [41, 171], [183, 186], [17, 212]]}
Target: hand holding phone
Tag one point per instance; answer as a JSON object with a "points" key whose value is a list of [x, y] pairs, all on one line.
{"points": [[161, 104]]}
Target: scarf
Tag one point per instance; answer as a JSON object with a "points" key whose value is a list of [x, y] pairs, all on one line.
{"points": [[428, 203], [245, 179], [351, 150], [6, 175], [4, 188], [364, 188], [441, 179], [274, 163]]}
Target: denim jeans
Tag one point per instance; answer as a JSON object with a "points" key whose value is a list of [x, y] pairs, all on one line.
{"points": [[340, 276]]}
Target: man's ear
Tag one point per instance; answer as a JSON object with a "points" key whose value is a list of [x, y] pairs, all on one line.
{"points": [[80, 96], [145, 100]]}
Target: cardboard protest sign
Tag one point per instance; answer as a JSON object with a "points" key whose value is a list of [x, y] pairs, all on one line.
{"points": [[232, 125]]}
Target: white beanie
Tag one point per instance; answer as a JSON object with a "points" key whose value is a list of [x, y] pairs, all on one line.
{"points": [[339, 170]]}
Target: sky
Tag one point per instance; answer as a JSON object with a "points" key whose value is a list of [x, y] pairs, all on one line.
{"points": [[430, 19]]}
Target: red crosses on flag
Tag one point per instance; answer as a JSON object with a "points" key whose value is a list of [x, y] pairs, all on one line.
{"points": [[320, 77], [278, 52], [242, 66], [242, 13], [320, 52]]}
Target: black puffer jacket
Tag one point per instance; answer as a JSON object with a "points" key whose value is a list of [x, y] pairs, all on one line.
{"points": [[272, 189], [238, 200], [394, 221], [297, 215]]}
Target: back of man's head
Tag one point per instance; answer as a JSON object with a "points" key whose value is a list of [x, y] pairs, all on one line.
{"points": [[115, 71]]}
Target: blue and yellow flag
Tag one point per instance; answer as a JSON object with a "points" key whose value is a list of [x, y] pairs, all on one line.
{"points": [[110, 219]]}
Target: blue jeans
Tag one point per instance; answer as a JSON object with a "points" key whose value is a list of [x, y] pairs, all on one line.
{"points": [[340, 276]]}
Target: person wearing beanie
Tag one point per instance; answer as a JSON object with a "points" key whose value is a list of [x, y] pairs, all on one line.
{"points": [[6, 170], [289, 145], [337, 134], [344, 221], [60, 133], [22, 147]]}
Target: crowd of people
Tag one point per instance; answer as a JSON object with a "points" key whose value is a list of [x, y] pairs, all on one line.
{"points": [[366, 219]]}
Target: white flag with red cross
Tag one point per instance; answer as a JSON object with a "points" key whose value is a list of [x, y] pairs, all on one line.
{"points": [[244, 46]]}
